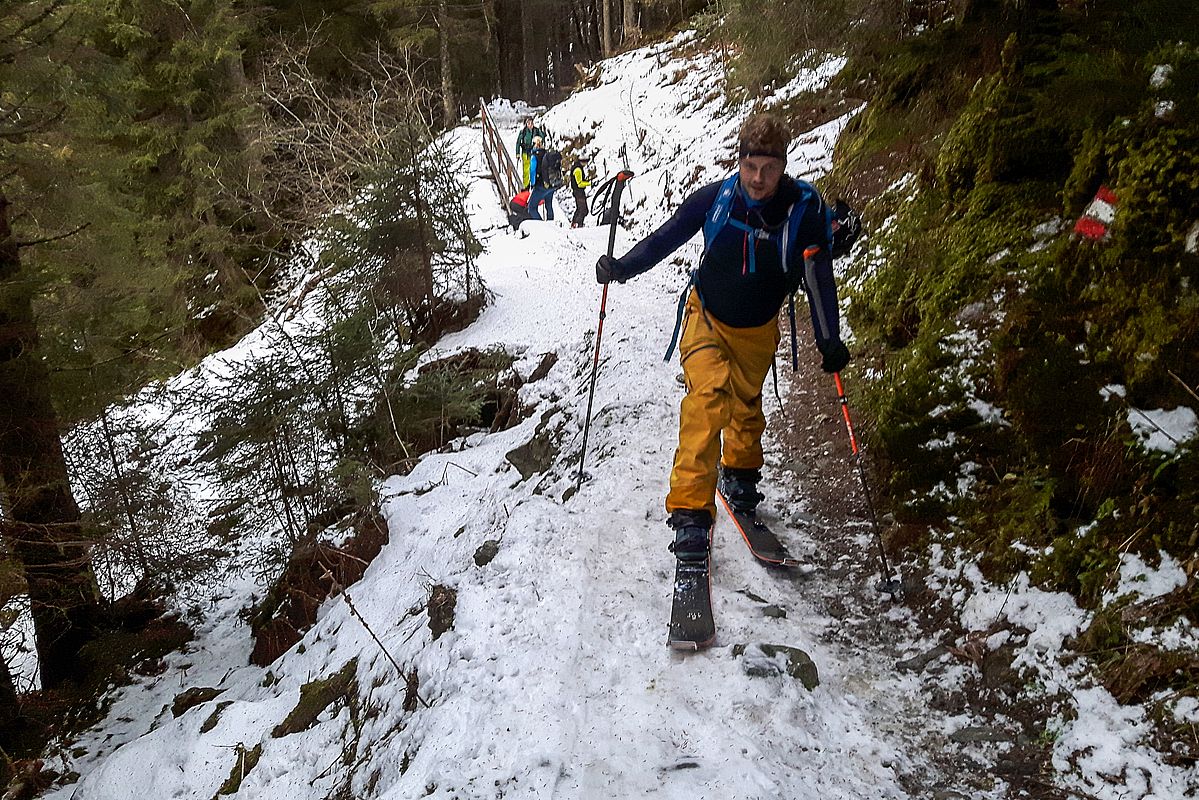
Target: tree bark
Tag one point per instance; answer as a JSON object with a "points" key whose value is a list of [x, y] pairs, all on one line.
{"points": [[449, 104], [606, 28], [508, 46], [631, 33], [43, 529], [526, 48], [12, 722]]}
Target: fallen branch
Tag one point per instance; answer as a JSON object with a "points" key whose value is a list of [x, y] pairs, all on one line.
{"points": [[357, 616], [53, 238], [1190, 391]]}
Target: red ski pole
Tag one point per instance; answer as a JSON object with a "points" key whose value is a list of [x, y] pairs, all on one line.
{"points": [[890, 583]]}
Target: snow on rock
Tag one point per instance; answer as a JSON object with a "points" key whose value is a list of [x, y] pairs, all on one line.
{"points": [[1105, 749], [1049, 616], [511, 112], [1101, 747], [1163, 430], [1156, 429], [1186, 710]]}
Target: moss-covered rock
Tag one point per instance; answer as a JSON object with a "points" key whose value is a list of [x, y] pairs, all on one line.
{"points": [[316, 696], [443, 602], [244, 761], [189, 699], [768, 660]]}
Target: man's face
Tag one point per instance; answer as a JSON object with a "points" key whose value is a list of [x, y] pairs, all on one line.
{"points": [[760, 175], [528, 123]]}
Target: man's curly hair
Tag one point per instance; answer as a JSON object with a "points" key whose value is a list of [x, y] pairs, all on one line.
{"points": [[763, 135]]}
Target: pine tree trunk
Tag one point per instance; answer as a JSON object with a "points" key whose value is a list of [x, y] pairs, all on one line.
{"points": [[508, 47], [43, 528], [606, 27], [526, 48], [448, 102], [631, 32], [12, 721]]}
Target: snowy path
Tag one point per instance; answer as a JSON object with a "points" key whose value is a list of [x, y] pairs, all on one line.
{"points": [[555, 681], [562, 637]]}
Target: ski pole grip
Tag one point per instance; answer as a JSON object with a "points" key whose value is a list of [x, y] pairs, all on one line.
{"points": [[809, 256], [853, 439], [621, 179]]}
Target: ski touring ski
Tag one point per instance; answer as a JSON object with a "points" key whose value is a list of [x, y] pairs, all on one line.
{"points": [[691, 623], [763, 543]]}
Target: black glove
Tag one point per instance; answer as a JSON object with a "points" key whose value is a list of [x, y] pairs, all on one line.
{"points": [[609, 269], [836, 356]]}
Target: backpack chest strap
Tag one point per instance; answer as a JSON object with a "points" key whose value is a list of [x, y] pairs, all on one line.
{"points": [[786, 235], [757, 233], [748, 254]]}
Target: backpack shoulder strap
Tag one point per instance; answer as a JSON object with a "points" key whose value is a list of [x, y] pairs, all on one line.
{"points": [[718, 214], [795, 215]]}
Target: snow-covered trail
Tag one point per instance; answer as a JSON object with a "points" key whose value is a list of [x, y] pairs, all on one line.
{"points": [[555, 680], [566, 688], [564, 632]]}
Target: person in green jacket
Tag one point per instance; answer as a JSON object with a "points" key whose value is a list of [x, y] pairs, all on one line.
{"points": [[524, 146], [579, 182]]}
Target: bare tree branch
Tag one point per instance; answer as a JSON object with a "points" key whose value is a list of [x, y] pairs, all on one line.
{"points": [[66, 235]]}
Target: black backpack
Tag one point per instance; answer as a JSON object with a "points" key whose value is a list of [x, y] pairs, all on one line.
{"points": [[847, 225], [549, 170]]}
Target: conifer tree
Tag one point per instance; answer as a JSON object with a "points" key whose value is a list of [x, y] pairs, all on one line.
{"points": [[169, 99], [41, 522]]}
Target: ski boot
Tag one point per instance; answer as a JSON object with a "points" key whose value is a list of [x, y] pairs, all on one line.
{"points": [[739, 487], [691, 530]]}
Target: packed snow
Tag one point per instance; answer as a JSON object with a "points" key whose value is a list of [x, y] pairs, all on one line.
{"points": [[555, 681]]}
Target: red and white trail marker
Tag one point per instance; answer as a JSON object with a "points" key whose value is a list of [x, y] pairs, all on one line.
{"points": [[1098, 216]]}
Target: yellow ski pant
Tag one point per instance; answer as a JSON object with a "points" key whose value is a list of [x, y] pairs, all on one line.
{"points": [[724, 369]]}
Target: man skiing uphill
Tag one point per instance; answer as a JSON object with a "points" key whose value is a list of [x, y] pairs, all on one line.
{"points": [[765, 235]]}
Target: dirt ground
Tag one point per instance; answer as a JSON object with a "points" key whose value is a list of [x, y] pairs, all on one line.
{"points": [[1005, 745]]}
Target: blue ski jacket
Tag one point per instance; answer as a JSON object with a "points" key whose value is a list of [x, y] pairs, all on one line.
{"points": [[729, 289]]}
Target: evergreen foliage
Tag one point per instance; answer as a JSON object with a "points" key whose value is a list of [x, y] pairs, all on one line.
{"points": [[978, 301], [141, 156], [41, 526], [294, 431]]}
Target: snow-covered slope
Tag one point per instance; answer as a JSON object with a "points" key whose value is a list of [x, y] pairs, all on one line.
{"points": [[554, 681]]}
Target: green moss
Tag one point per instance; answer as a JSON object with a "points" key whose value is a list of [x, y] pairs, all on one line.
{"points": [[245, 761], [1015, 510], [215, 717], [964, 148], [316, 696], [1049, 106]]}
